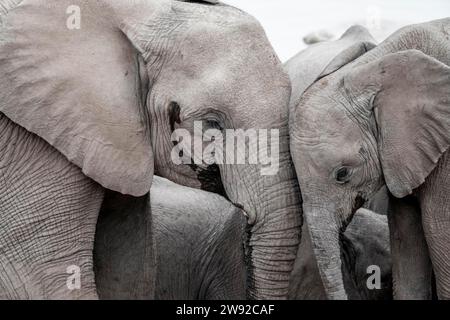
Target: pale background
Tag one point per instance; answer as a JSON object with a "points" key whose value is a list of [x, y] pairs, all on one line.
{"points": [[287, 21]]}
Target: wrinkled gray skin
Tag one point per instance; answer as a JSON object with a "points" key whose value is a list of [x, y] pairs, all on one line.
{"points": [[199, 239], [364, 243], [108, 104], [382, 119], [48, 212]]}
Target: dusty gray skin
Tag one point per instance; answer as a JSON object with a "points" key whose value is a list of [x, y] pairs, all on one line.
{"points": [[364, 243], [199, 239], [382, 119], [108, 103]]}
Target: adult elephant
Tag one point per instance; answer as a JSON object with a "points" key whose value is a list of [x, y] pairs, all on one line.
{"points": [[99, 91], [366, 258], [199, 240], [382, 119]]}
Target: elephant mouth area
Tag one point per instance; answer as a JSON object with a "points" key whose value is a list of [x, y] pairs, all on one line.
{"points": [[210, 179], [359, 201]]}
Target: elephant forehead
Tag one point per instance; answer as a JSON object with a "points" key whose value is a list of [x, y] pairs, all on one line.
{"points": [[327, 154], [236, 91], [326, 138], [321, 117], [235, 41]]}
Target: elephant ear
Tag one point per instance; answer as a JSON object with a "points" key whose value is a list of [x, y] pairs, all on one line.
{"points": [[80, 89], [324, 58], [412, 111]]}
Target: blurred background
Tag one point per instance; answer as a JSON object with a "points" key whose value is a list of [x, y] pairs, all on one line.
{"points": [[288, 22]]}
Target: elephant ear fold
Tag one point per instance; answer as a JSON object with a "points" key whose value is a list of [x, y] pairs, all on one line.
{"points": [[412, 110], [356, 41], [80, 89]]}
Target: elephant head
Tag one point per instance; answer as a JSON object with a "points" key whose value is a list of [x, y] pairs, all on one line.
{"points": [[382, 119], [107, 83]]}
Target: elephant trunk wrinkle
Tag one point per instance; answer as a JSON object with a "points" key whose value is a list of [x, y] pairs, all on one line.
{"points": [[274, 237], [325, 239]]}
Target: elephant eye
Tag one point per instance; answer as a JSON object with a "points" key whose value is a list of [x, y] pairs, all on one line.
{"points": [[213, 124], [343, 174]]}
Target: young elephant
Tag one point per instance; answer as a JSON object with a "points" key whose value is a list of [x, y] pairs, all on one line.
{"points": [[304, 69], [382, 119], [198, 236], [365, 243]]}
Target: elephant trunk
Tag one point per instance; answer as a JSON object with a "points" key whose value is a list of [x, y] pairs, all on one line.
{"points": [[274, 241], [273, 203], [325, 235]]}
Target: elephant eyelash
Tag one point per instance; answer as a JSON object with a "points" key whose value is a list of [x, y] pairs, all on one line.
{"points": [[343, 174], [213, 124]]}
